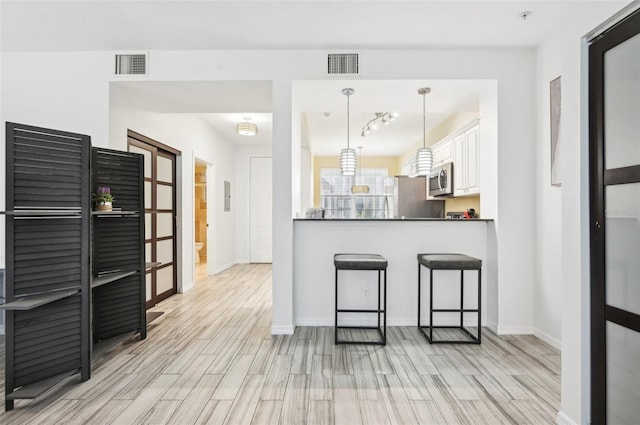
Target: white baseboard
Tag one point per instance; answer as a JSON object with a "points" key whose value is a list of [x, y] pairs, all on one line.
{"points": [[185, 288], [242, 261], [514, 330], [223, 268], [346, 321], [282, 330], [563, 419], [493, 326], [554, 342]]}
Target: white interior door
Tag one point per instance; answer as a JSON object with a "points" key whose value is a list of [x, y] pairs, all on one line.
{"points": [[260, 210]]}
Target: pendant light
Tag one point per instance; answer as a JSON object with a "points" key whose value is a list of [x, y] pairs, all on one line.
{"points": [[424, 156], [360, 188], [348, 157]]}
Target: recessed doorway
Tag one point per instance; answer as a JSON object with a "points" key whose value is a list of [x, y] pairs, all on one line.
{"points": [[200, 222]]}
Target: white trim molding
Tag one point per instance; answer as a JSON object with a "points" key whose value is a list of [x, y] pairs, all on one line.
{"points": [[563, 419], [282, 330], [554, 342]]}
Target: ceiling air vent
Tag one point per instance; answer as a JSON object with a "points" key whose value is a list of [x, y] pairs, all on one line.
{"points": [[342, 63], [131, 64]]}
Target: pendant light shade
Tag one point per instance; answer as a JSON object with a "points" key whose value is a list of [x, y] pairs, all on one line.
{"points": [[424, 161], [246, 128], [424, 156], [348, 159]]}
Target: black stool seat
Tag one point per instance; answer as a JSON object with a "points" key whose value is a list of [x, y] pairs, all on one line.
{"points": [[372, 262], [359, 262], [449, 262]]}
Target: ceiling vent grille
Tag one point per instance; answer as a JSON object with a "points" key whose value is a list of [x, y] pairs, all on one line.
{"points": [[131, 64], [342, 63]]}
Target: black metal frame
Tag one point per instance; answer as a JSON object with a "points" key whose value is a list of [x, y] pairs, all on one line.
{"points": [[599, 178], [427, 331], [382, 332]]}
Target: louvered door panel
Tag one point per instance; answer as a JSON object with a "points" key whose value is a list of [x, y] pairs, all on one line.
{"points": [[47, 247], [47, 168], [118, 245], [116, 307], [47, 254], [49, 341]]}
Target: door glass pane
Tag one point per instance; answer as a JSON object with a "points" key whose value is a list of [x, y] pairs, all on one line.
{"points": [[165, 279], [622, 245], [147, 252], [165, 197], [147, 226], [147, 159], [622, 104], [165, 169], [165, 224], [148, 285], [623, 375], [147, 195], [165, 251]]}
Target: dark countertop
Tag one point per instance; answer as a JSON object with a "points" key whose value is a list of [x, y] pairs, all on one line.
{"points": [[448, 220]]}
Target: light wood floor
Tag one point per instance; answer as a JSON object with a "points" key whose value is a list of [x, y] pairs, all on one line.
{"points": [[210, 359]]}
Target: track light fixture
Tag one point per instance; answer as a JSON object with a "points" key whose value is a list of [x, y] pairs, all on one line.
{"points": [[380, 117]]}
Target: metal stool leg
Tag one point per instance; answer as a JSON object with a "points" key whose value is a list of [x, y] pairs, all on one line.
{"points": [[335, 326], [461, 298]]}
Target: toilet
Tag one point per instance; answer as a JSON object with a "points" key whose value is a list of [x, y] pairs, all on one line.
{"points": [[196, 252]]}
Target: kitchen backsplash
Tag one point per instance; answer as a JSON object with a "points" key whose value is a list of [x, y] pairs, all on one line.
{"points": [[462, 204]]}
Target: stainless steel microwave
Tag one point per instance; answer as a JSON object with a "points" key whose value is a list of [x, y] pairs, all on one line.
{"points": [[440, 181]]}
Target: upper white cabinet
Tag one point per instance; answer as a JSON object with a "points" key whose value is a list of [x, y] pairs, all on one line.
{"points": [[442, 152], [466, 162]]}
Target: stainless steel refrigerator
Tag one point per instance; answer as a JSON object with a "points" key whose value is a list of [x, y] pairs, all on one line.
{"points": [[409, 199]]}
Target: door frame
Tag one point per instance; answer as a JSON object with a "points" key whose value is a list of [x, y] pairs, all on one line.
{"points": [[211, 214], [599, 178], [165, 150]]}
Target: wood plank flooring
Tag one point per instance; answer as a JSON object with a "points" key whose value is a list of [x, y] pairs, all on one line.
{"points": [[210, 359]]}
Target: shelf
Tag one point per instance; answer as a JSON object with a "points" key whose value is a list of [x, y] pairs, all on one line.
{"points": [[41, 213], [114, 213], [30, 302], [100, 348], [111, 277], [151, 265], [36, 389]]}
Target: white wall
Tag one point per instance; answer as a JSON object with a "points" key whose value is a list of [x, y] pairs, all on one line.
{"points": [[547, 291], [578, 20], [195, 139], [86, 109]]}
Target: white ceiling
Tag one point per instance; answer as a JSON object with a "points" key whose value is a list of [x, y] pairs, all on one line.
{"points": [[284, 24], [51, 25]]}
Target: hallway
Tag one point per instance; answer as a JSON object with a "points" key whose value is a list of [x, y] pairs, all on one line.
{"points": [[210, 359]]}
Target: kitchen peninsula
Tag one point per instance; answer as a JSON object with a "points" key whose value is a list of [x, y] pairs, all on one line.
{"points": [[399, 241]]}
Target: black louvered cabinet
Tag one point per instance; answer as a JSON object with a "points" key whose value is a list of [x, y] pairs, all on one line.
{"points": [[47, 250], [74, 277], [118, 261]]}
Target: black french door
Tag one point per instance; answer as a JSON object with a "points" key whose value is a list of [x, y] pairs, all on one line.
{"points": [[614, 133]]}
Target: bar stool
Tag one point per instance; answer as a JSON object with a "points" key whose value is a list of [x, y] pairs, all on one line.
{"points": [[450, 262], [363, 262]]}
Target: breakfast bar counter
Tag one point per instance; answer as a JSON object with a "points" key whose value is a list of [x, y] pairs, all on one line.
{"points": [[399, 241]]}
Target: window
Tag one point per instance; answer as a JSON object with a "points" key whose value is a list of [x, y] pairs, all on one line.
{"points": [[338, 201]]}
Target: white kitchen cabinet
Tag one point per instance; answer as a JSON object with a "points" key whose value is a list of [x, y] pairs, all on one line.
{"points": [[442, 152], [466, 163]]}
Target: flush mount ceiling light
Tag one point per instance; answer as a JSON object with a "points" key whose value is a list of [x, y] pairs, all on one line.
{"points": [[246, 128], [424, 156], [348, 157], [380, 117]]}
